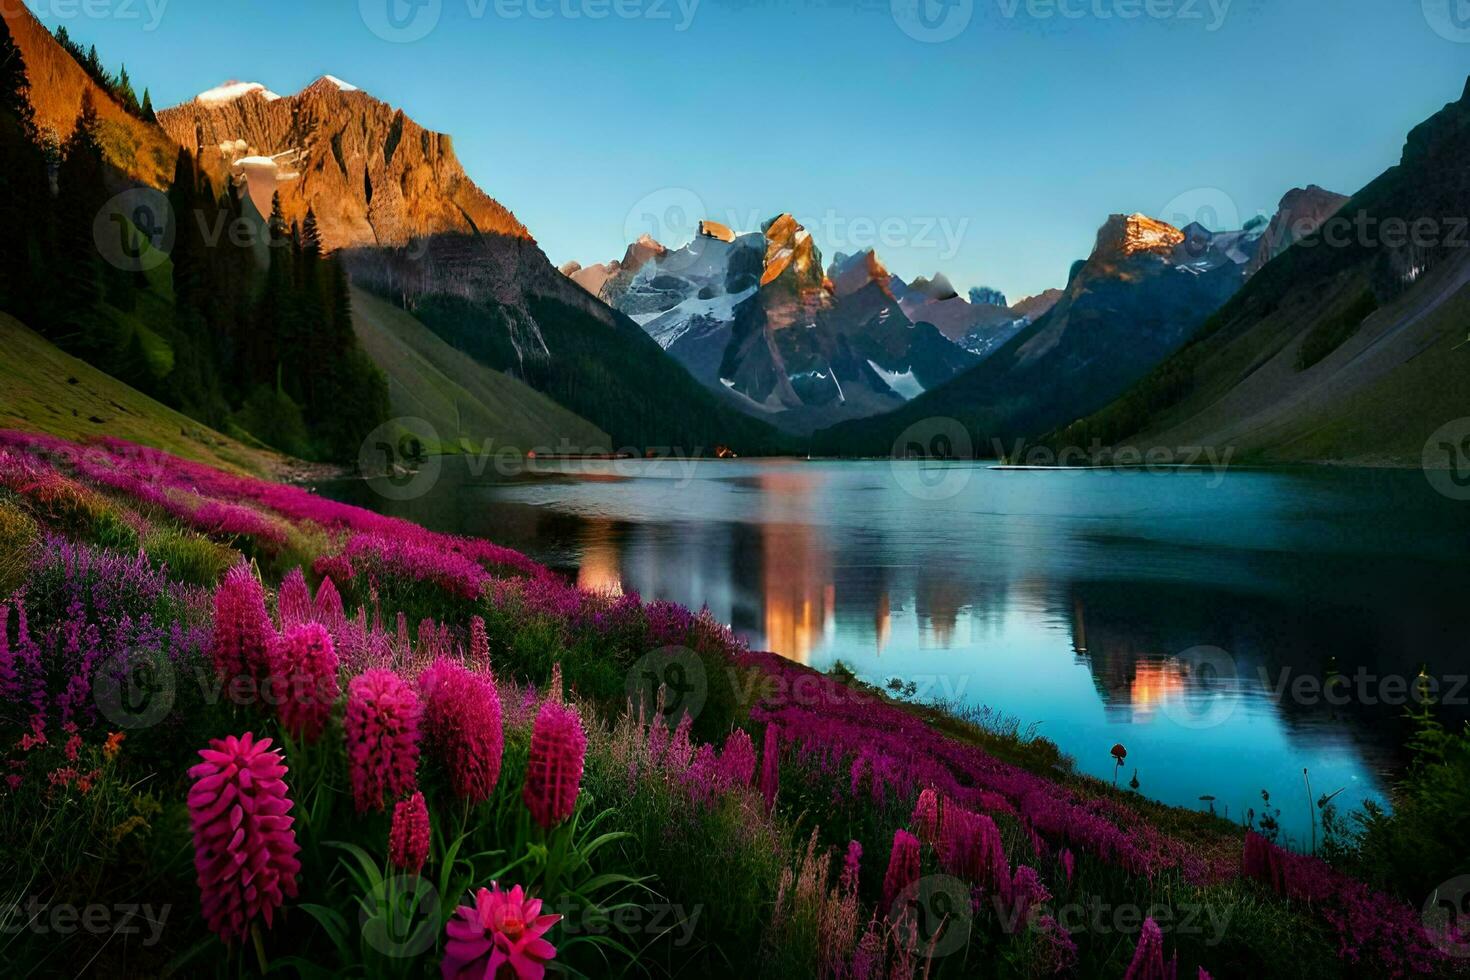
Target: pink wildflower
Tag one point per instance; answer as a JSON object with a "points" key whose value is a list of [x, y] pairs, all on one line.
{"points": [[244, 845], [502, 932], [408, 838], [462, 725], [926, 816], [242, 629], [1148, 956], [737, 759], [293, 605], [382, 729], [304, 676], [554, 772], [903, 868]]}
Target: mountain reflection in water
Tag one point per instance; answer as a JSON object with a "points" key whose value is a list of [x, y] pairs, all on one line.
{"points": [[1164, 611]]}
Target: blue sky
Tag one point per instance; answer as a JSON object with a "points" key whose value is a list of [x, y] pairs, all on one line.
{"points": [[986, 138]]}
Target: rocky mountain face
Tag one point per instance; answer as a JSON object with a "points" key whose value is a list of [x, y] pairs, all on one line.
{"points": [[1145, 288], [137, 150], [1344, 347], [373, 176], [756, 318], [1301, 213]]}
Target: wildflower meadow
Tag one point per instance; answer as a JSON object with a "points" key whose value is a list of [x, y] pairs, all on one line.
{"points": [[251, 731]]}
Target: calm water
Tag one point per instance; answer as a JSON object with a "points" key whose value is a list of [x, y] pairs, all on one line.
{"points": [[1161, 610]]}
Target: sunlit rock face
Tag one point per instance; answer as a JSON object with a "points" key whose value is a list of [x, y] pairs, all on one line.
{"points": [[373, 176], [1126, 235]]}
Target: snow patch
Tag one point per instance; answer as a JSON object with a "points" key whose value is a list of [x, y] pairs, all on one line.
{"points": [[905, 385], [232, 91], [341, 85]]}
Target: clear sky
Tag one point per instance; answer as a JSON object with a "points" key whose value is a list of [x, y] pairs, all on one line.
{"points": [[986, 138]]}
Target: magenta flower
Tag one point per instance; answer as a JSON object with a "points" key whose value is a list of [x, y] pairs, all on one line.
{"points": [[408, 838], [554, 772], [479, 646], [244, 846], [382, 729], [903, 868], [1148, 956], [242, 627], [463, 727], [293, 605], [328, 608], [771, 765], [737, 759], [304, 679], [497, 936], [851, 866], [926, 816]]}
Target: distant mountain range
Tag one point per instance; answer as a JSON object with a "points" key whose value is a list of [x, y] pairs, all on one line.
{"points": [[1351, 345]]}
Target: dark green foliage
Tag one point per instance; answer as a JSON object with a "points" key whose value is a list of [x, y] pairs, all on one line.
{"points": [[1331, 331]]}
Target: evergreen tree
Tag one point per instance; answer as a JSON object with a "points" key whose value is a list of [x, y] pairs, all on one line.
{"points": [[82, 199], [311, 235], [123, 90], [23, 198], [147, 109]]}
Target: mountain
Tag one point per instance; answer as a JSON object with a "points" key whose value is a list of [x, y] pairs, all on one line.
{"points": [[135, 149], [1302, 212], [393, 203], [373, 176], [1035, 307], [1142, 292], [757, 320], [1348, 346], [463, 401]]}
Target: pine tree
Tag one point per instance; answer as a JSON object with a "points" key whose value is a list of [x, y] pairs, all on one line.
{"points": [[148, 114], [83, 196], [311, 235], [23, 198], [123, 90]]}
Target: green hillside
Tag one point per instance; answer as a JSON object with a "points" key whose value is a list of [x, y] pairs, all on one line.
{"points": [[43, 389], [461, 398]]}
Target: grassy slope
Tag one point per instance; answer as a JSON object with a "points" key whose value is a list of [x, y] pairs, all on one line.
{"points": [[460, 397], [43, 389]]}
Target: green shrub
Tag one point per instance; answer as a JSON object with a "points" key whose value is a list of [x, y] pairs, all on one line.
{"points": [[190, 557], [17, 535]]}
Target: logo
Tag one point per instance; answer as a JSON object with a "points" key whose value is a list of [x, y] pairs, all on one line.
{"points": [[1208, 206], [1450, 19], [932, 21], [676, 675], [135, 688], [1210, 690], [942, 911], [1446, 460], [401, 21], [1447, 917], [135, 230], [400, 916], [400, 458], [932, 459], [669, 215]]}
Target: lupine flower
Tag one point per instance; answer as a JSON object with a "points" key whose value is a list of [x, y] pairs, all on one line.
{"points": [[771, 765], [479, 646], [408, 838], [502, 932], [328, 608], [382, 729], [244, 845], [1148, 956], [304, 678], [926, 816], [903, 867], [463, 727], [554, 772], [1069, 865], [737, 759], [241, 641], [293, 605]]}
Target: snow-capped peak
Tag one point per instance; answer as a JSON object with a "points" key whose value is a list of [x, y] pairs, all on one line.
{"points": [[231, 91], [341, 85]]}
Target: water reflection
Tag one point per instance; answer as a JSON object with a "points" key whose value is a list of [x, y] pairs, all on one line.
{"points": [[1079, 602]]}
